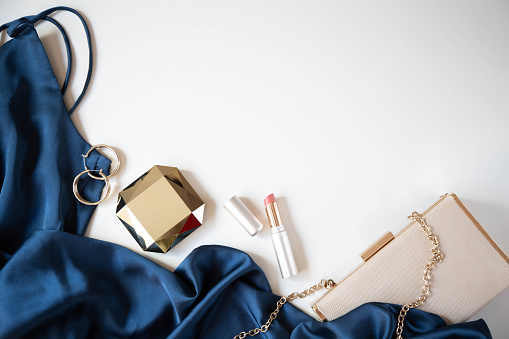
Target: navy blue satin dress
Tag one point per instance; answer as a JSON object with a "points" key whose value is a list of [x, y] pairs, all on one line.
{"points": [[55, 283]]}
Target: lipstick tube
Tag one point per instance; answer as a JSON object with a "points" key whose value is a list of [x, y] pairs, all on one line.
{"points": [[280, 240]]}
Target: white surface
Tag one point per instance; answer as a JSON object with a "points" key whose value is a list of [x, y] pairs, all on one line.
{"points": [[353, 113]]}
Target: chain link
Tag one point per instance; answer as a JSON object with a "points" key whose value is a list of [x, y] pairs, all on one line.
{"points": [[437, 257], [328, 284]]}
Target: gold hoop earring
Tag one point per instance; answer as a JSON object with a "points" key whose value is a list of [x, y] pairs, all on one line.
{"points": [[102, 177], [117, 158]]}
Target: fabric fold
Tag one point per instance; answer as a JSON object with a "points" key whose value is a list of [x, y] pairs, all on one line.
{"points": [[216, 292]]}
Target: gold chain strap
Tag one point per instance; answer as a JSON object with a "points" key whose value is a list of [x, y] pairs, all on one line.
{"points": [[437, 257], [328, 284]]}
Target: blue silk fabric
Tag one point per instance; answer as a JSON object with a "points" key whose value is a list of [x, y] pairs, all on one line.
{"points": [[55, 283]]}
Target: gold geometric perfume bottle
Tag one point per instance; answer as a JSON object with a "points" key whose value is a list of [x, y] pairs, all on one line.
{"points": [[160, 209]]}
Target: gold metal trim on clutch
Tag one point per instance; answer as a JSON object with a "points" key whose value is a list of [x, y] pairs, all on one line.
{"points": [[377, 246], [481, 229], [320, 314]]}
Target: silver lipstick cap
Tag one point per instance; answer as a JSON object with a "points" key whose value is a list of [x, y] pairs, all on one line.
{"points": [[243, 215]]}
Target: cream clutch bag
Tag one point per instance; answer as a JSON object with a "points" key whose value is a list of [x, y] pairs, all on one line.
{"points": [[472, 271]]}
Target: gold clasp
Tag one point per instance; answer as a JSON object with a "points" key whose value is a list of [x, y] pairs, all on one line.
{"points": [[377, 246]]}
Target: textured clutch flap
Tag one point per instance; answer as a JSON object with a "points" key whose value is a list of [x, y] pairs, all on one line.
{"points": [[473, 272]]}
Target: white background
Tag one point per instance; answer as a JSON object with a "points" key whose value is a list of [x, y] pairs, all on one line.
{"points": [[353, 113]]}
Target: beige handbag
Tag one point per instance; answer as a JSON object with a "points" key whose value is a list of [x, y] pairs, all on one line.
{"points": [[474, 270]]}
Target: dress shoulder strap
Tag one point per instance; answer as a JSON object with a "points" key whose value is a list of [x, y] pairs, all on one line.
{"points": [[16, 26]]}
